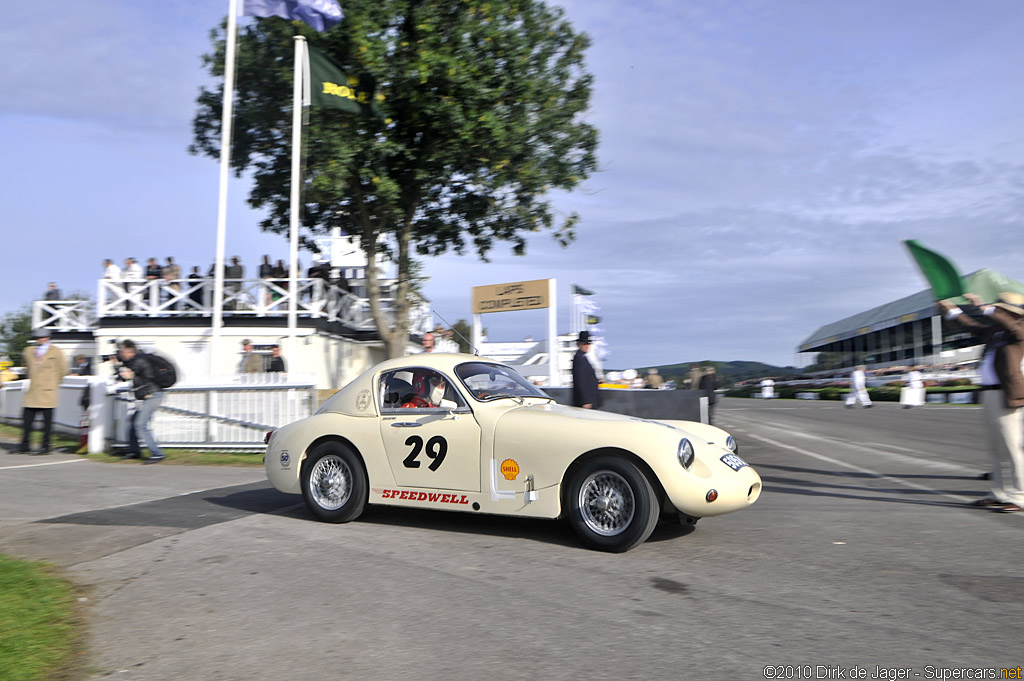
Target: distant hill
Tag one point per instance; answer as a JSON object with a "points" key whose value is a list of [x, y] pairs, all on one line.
{"points": [[728, 372]]}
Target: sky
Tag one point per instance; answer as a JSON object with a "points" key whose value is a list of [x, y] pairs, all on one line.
{"points": [[759, 163]]}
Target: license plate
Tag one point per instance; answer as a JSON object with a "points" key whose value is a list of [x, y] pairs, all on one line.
{"points": [[734, 462]]}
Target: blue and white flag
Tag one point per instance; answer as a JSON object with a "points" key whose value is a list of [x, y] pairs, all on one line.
{"points": [[320, 14]]}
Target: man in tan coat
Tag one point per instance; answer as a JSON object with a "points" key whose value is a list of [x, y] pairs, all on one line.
{"points": [[46, 367]]}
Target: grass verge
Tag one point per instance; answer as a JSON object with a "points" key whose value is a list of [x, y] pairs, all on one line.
{"points": [[189, 457], [38, 633]]}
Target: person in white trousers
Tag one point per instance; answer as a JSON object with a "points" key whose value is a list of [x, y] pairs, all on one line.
{"points": [[858, 388]]}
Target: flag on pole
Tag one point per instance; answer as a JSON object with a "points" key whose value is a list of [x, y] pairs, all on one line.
{"points": [[329, 86], [320, 14], [941, 274], [580, 291]]}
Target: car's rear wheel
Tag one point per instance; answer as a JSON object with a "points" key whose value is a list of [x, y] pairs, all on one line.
{"points": [[611, 504], [334, 483]]}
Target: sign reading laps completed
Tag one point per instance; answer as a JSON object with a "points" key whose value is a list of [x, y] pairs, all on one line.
{"points": [[519, 295]]}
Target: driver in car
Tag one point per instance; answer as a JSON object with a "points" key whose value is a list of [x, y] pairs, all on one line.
{"points": [[430, 389]]}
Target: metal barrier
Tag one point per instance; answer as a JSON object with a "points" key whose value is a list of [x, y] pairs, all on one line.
{"points": [[230, 415]]}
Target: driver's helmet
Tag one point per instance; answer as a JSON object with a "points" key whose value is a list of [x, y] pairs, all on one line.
{"points": [[421, 382]]}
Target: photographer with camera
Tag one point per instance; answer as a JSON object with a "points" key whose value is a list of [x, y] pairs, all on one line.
{"points": [[139, 368]]}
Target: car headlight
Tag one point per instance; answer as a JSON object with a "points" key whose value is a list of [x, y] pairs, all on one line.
{"points": [[730, 444], [685, 453]]}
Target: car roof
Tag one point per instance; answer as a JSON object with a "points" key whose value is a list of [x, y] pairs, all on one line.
{"points": [[358, 397]]}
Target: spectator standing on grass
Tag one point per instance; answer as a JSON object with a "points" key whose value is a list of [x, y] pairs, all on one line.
{"points": [[858, 388], [138, 368], [708, 385], [276, 361], [46, 368], [1001, 327]]}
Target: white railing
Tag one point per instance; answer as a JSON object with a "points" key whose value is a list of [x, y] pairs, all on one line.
{"points": [[62, 315], [245, 297], [232, 415]]}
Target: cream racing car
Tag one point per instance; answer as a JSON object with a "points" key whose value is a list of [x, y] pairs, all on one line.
{"points": [[458, 432]]}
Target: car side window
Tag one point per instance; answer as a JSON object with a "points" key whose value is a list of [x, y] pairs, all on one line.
{"points": [[418, 389]]}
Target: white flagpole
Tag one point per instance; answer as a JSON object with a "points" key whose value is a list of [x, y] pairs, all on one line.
{"points": [[222, 200], [296, 195]]}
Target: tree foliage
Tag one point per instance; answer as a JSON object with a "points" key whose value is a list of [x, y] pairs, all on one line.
{"points": [[15, 334], [483, 118]]}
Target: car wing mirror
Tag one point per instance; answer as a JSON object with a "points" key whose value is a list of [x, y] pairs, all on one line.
{"points": [[448, 404]]}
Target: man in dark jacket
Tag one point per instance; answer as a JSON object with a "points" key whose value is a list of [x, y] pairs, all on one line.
{"points": [[276, 360], [137, 368], [584, 380], [708, 385]]}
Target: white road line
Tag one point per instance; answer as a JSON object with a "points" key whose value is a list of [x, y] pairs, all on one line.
{"points": [[866, 471], [878, 449], [36, 465]]}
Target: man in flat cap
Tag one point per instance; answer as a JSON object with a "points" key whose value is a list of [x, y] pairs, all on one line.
{"points": [[46, 368]]}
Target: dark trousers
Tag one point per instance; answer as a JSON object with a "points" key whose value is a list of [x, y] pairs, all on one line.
{"points": [[28, 417]]}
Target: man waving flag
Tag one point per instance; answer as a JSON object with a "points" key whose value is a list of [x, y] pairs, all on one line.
{"points": [[320, 14]]}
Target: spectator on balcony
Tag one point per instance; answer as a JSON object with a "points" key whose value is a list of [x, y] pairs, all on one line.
{"points": [[276, 361], [172, 273], [195, 283], [46, 367], [132, 273], [52, 292], [251, 363], [110, 270], [233, 273], [280, 275], [153, 270]]}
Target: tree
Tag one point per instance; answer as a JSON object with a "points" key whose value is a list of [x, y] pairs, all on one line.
{"points": [[463, 335], [483, 106], [15, 333]]}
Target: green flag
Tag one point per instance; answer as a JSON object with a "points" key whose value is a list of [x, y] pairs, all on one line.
{"points": [[593, 319], [580, 291], [941, 274], [331, 87]]}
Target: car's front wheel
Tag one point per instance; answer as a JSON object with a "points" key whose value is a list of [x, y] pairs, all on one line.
{"points": [[334, 483], [611, 504]]}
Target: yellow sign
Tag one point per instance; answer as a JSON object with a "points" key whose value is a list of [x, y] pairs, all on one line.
{"points": [[510, 469], [518, 295]]}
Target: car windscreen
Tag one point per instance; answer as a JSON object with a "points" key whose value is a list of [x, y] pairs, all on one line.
{"points": [[492, 381]]}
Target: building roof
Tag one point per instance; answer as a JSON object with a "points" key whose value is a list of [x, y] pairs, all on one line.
{"points": [[921, 305]]}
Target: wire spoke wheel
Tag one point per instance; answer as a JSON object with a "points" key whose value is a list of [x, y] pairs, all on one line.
{"points": [[606, 503], [330, 482], [610, 503]]}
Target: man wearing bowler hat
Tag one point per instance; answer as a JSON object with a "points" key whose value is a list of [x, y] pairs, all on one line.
{"points": [[1001, 327], [46, 367], [584, 380]]}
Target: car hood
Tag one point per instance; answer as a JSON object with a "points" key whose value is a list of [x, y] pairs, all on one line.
{"points": [[531, 416]]}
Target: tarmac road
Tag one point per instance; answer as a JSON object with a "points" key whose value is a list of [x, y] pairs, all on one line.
{"points": [[859, 555]]}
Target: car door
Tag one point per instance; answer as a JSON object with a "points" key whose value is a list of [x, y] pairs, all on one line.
{"points": [[428, 446]]}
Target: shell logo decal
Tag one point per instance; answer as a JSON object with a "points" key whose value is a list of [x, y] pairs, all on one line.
{"points": [[510, 469]]}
